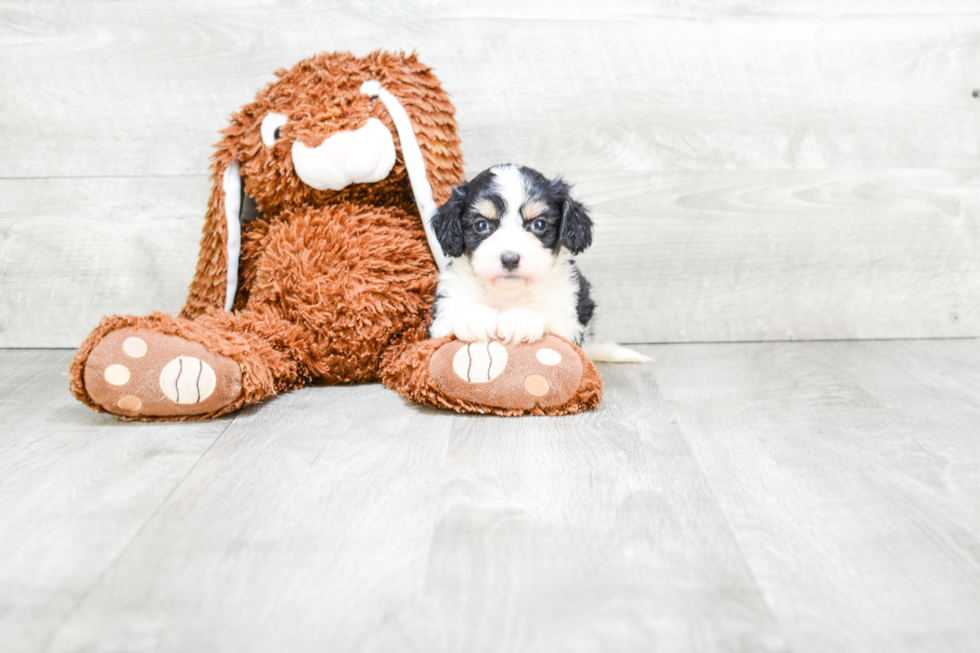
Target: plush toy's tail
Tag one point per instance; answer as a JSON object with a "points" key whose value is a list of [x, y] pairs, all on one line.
{"points": [[610, 352]]}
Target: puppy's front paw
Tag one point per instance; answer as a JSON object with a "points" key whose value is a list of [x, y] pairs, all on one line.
{"points": [[478, 323], [520, 324]]}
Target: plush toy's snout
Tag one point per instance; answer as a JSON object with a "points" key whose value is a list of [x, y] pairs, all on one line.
{"points": [[363, 156]]}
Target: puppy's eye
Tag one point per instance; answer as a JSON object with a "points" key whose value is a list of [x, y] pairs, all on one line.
{"points": [[538, 225], [482, 226]]}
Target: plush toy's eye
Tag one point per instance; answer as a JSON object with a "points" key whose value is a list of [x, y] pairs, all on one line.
{"points": [[538, 225], [272, 128], [482, 226]]}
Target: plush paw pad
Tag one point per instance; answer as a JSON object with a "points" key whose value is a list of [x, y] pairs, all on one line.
{"points": [[138, 373], [187, 380], [480, 362], [543, 374]]}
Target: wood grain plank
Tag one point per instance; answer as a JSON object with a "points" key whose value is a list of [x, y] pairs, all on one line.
{"points": [[343, 519], [73, 250], [860, 524], [774, 496], [687, 256], [832, 150], [932, 389], [794, 255], [113, 88], [75, 489]]}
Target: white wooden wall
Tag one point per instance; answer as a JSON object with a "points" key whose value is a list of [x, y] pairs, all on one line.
{"points": [[757, 169]]}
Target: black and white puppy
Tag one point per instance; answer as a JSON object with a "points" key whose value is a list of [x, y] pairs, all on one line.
{"points": [[511, 234]]}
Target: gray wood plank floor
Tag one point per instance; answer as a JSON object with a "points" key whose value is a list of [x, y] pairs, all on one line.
{"points": [[809, 496]]}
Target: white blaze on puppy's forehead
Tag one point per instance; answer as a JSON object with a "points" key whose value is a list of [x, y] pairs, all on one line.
{"points": [[509, 184]]}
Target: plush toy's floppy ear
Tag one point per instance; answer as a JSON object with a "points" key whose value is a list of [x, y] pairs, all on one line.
{"points": [[431, 113], [424, 119], [576, 225], [215, 281], [448, 223]]}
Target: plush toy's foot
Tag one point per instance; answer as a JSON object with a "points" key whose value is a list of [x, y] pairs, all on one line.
{"points": [[544, 374], [140, 373], [548, 377]]}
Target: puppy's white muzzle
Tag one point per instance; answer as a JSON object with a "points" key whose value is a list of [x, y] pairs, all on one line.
{"points": [[363, 156]]}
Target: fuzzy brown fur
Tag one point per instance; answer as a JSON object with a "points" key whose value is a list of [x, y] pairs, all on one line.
{"points": [[334, 286], [321, 96]]}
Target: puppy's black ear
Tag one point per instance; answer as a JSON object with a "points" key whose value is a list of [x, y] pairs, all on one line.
{"points": [[448, 223], [576, 225]]}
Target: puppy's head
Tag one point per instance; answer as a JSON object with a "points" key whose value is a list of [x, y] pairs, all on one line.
{"points": [[512, 222]]}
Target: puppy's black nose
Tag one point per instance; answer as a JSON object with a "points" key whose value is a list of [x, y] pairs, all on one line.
{"points": [[510, 260]]}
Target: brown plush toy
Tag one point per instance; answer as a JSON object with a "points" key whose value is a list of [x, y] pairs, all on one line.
{"points": [[315, 265]]}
